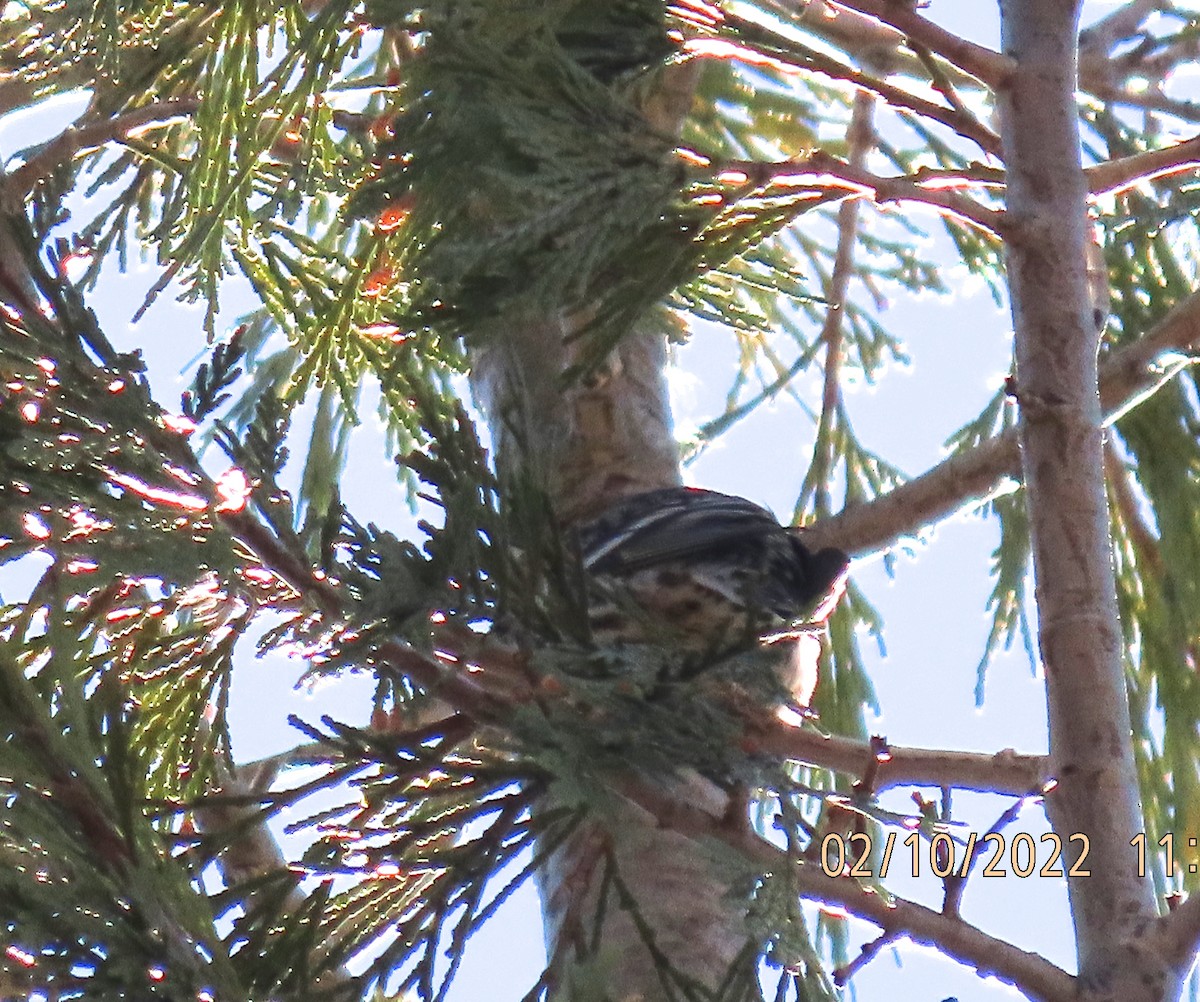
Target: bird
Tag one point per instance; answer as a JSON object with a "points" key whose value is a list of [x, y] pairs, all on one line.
{"points": [[708, 574]]}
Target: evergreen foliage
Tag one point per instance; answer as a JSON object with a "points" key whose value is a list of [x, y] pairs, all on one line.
{"points": [[397, 183]]}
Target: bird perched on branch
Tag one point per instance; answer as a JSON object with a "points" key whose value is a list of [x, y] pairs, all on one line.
{"points": [[707, 573]]}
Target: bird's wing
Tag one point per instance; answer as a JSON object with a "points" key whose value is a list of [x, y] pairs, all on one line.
{"points": [[679, 523]]}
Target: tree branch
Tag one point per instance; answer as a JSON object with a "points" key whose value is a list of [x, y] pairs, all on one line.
{"points": [[73, 139], [868, 953], [1178, 932], [1103, 69], [955, 885], [1128, 376], [818, 169], [860, 140], [1148, 100], [904, 511], [1004, 772], [1115, 27], [1132, 373], [254, 853], [1116, 175], [992, 68], [943, 85], [865, 39], [936, 187], [1031, 973], [785, 55]]}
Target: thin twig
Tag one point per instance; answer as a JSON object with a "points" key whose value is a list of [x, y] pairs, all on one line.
{"points": [[860, 140], [974, 175], [936, 187], [1099, 65], [941, 83], [786, 55], [1117, 26], [1148, 100], [75, 139], [1145, 542], [823, 170], [987, 65], [868, 953], [956, 884]]}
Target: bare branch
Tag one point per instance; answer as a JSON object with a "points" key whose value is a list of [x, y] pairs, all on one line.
{"points": [[1030, 972], [868, 953], [908, 509], [785, 55], [1003, 772], [935, 187], [74, 139], [955, 885], [993, 68], [860, 139], [943, 85], [1178, 932], [1148, 100], [15, 92], [1106, 65], [254, 853], [823, 171], [1141, 534], [1128, 376], [1116, 175], [1116, 26], [866, 39], [975, 174], [1179, 51]]}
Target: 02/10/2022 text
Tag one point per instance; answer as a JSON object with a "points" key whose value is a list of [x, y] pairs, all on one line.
{"points": [[842, 855]]}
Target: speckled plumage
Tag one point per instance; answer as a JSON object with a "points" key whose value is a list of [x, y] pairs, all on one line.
{"points": [[702, 571]]}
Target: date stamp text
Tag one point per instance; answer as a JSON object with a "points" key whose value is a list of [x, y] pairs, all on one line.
{"points": [[854, 855]]}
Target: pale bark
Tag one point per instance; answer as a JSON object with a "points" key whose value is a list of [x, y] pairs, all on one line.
{"points": [[591, 442], [1062, 461]]}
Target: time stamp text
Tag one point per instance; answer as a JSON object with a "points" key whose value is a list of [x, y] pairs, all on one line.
{"points": [[997, 856]]}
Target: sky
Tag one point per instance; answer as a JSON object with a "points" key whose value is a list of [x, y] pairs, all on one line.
{"points": [[933, 604]]}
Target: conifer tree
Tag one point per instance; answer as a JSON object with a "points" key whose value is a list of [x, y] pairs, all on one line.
{"points": [[507, 217]]}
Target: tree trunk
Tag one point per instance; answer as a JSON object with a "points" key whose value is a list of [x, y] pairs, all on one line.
{"points": [[589, 443], [1061, 435]]}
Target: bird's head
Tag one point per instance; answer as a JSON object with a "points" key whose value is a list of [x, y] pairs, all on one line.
{"points": [[822, 577]]}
